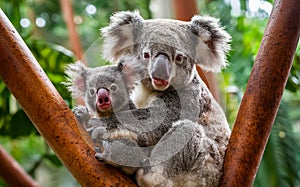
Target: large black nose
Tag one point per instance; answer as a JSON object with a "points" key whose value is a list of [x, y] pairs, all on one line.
{"points": [[161, 68]]}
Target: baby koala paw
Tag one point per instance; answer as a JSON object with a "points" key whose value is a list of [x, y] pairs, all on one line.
{"points": [[98, 133], [82, 115], [103, 153]]}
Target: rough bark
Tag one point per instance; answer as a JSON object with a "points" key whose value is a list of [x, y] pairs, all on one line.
{"points": [[263, 94], [27, 81]]}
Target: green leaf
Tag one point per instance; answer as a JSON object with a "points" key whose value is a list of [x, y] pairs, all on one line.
{"points": [[19, 125]]}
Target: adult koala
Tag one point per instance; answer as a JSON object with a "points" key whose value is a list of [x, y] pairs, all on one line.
{"points": [[190, 143]]}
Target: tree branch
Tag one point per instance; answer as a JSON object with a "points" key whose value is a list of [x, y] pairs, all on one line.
{"points": [[27, 81], [12, 173], [263, 94]]}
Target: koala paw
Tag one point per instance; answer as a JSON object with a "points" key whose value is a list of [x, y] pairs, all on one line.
{"points": [[103, 153], [82, 115], [99, 133], [145, 163]]}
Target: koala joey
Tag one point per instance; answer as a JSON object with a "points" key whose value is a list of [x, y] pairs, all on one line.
{"points": [[106, 91], [189, 132]]}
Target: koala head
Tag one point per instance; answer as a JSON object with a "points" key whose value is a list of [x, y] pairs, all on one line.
{"points": [[105, 89], [169, 49]]}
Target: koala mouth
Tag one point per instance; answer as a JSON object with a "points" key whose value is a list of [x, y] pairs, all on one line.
{"points": [[103, 101], [103, 107], [160, 83]]}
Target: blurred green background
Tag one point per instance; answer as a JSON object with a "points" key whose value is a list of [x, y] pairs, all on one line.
{"points": [[43, 28]]}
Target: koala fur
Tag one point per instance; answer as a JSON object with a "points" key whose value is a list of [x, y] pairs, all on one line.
{"points": [[189, 131], [115, 81]]}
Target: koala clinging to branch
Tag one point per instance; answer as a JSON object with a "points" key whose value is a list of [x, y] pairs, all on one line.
{"points": [[106, 91], [190, 138]]}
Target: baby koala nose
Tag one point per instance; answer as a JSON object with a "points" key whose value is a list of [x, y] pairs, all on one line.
{"points": [[103, 99]]}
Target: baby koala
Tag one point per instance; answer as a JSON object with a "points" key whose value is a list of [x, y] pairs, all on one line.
{"points": [[105, 91]]}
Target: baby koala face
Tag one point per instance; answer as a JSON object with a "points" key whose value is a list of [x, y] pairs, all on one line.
{"points": [[105, 89]]}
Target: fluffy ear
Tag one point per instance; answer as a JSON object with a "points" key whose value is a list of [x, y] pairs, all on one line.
{"points": [[76, 78], [131, 69], [213, 44], [120, 34]]}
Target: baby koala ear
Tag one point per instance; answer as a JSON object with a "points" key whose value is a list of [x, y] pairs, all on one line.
{"points": [[131, 69], [120, 34], [76, 79], [213, 43]]}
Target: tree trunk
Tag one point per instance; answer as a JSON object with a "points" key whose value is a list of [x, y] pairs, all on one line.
{"points": [[263, 94], [27, 81], [74, 39]]}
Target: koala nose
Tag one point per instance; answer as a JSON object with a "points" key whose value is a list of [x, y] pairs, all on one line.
{"points": [[103, 99], [161, 68]]}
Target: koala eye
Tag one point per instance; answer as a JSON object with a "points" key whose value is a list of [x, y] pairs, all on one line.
{"points": [[92, 91], [179, 58], [113, 87], [146, 55]]}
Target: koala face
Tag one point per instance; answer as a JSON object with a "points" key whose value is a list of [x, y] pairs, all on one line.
{"points": [[104, 88], [168, 48], [166, 66]]}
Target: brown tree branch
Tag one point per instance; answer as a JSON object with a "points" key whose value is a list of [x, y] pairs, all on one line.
{"points": [[12, 173], [27, 81], [263, 94]]}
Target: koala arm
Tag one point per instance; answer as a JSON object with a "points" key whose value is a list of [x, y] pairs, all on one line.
{"points": [[82, 116], [145, 123]]}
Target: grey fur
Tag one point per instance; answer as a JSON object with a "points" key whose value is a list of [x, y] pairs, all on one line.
{"points": [[202, 39], [189, 122], [84, 82]]}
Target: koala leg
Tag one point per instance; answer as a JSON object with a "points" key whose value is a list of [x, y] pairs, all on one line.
{"points": [[183, 157], [122, 153]]}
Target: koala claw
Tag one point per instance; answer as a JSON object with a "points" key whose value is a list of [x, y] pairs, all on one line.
{"points": [[82, 114], [105, 154], [145, 162]]}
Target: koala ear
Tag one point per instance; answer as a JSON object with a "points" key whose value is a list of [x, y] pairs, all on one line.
{"points": [[131, 69], [213, 43], [76, 78], [120, 34]]}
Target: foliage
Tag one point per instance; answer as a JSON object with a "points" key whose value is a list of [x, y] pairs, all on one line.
{"points": [[281, 145], [280, 164]]}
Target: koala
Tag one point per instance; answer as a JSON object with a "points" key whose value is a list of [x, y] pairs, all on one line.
{"points": [[188, 132], [106, 91]]}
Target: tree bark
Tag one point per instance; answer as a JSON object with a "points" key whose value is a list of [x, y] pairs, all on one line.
{"points": [[263, 94], [12, 173], [27, 81]]}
